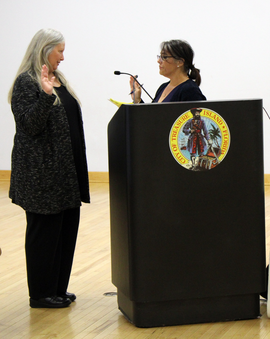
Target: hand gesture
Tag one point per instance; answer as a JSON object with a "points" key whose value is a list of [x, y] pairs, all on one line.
{"points": [[46, 83], [134, 86]]}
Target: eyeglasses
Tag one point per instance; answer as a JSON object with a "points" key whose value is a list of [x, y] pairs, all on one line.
{"points": [[164, 57]]}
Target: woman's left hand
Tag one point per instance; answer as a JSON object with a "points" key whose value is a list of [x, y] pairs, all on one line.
{"points": [[46, 82]]}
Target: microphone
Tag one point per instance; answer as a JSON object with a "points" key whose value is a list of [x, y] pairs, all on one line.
{"points": [[118, 73]]}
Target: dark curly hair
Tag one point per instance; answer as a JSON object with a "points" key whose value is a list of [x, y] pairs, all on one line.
{"points": [[181, 50]]}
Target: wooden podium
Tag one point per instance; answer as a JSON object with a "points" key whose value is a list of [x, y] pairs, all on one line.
{"points": [[187, 246]]}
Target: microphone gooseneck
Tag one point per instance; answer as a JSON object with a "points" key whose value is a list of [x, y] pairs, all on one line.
{"points": [[134, 77]]}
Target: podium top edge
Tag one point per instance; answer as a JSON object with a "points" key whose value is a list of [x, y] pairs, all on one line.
{"points": [[199, 101]]}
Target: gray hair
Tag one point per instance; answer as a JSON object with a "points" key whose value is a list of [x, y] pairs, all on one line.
{"points": [[37, 53]]}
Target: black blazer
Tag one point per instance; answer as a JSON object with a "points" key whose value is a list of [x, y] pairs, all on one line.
{"points": [[187, 91], [43, 174]]}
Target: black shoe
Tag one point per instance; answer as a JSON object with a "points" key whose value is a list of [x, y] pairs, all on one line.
{"points": [[50, 302], [70, 296]]}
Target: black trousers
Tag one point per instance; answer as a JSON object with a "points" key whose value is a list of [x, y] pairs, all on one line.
{"points": [[49, 246]]}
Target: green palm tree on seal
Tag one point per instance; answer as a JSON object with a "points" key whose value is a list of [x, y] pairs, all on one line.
{"points": [[214, 133]]}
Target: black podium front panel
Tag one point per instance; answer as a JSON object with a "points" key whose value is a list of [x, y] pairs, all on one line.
{"points": [[184, 240]]}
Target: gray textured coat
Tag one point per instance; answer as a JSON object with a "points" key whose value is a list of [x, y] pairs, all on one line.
{"points": [[43, 174]]}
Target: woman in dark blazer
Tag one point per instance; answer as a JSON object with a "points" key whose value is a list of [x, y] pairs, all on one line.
{"points": [[49, 176], [176, 63]]}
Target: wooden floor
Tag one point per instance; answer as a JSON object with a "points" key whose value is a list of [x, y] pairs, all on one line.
{"points": [[93, 315]]}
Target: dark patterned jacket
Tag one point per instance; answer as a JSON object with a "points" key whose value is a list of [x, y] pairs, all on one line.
{"points": [[43, 174]]}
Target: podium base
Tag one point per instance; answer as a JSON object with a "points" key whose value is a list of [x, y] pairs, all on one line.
{"points": [[189, 311]]}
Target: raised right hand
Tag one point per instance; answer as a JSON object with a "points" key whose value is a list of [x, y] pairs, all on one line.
{"points": [[46, 82], [136, 96]]}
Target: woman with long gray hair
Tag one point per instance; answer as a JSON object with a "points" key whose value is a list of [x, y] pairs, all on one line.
{"points": [[49, 176]]}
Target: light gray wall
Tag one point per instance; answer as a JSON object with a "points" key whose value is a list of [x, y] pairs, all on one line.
{"points": [[230, 39]]}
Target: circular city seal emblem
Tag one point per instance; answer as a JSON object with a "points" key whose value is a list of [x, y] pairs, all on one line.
{"points": [[199, 139]]}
